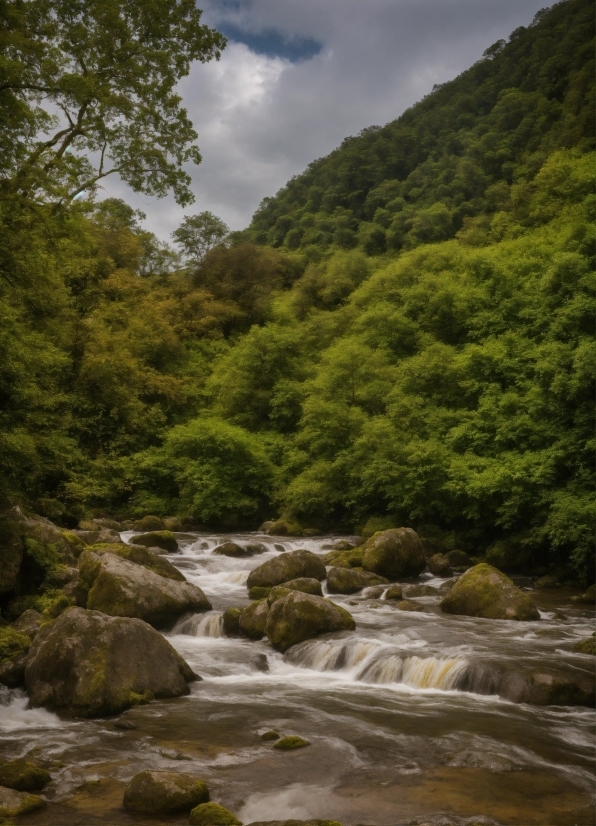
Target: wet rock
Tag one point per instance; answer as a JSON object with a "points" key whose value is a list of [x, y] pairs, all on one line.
{"points": [[110, 524], [149, 523], [420, 591], [254, 548], [290, 743], [298, 823], [343, 545], [98, 536], [481, 760], [212, 814], [307, 585], [270, 735], [279, 548], [394, 592], [23, 776], [394, 553], [257, 592], [439, 565], [141, 555], [157, 539], [543, 689], [350, 580], [29, 623], [287, 567], [345, 559], [483, 591], [446, 586], [459, 559], [285, 527], [88, 664], [123, 589], [231, 622], [266, 526], [587, 646], [588, 597], [159, 792], [298, 617], [261, 663], [479, 678], [231, 549], [277, 593], [548, 581], [12, 672], [253, 619], [125, 725], [13, 803], [408, 605], [374, 593]]}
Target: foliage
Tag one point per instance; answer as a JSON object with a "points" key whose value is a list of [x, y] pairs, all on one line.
{"points": [[197, 234]]}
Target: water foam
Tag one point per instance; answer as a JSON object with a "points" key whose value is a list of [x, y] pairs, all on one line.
{"points": [[201, 625]]}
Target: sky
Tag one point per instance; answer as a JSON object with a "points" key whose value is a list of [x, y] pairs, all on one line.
{"points": [[298, 76]]}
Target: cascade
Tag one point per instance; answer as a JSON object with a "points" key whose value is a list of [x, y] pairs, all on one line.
{"points": [[201, 625]]}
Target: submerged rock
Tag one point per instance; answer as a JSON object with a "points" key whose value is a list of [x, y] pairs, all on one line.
{"points": [[23, 776], [394, 553], [298, 617], [408, 605], [159, 792], [157, 539], [124, 589], [587, 646], [439, 565], [544, 689], [212, 814], [350, 580], [421, 591], [291, 742], [548, 581], [287, 567], [231, 549], [253, 619], [270, 735], [394, 592], [12, 671], [88, 664], [483, 591], [13, 803]]}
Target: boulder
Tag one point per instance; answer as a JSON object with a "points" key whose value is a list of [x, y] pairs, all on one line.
{"points": [[588, 597], [542, 689], [350, 580], [284, 527], [343, 545], [298, 617], [157, 539], [253, 619], [13, 803], [230, 549], [548, 581], [141, 555], [270, 735], [212, 814], [408, 605], [231, 622], [483, 591], [87, 664], [459, 559], [123, 589], [254, 548], [23, 776], [420, 591], [307, 585], [257, 592], [394, 592], [12, 672], [149, 523], [29, 623], [586, 646], [12, 643], [160, 793], [290, 743], [439, 565], [345, 559], [287, 567], [394, 553], [98, 535]]}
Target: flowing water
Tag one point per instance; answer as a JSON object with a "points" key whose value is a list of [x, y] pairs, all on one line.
{"points": [[395, 739]]}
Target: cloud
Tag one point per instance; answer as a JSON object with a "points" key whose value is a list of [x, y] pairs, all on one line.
{"points": [[297, 78]]}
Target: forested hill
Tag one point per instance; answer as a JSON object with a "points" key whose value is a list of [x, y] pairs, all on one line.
{"points": [[454, 155], [403, 336]]}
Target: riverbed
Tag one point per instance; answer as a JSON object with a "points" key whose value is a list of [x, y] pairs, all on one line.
{"points": [[393, 740]]}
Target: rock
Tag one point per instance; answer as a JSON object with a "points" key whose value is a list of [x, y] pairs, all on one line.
{"points": [[231, 549], [277, 593], [141, 555], [253, 619], [547, 581], [407, 605], [77, 592], [160, 793], [29, 623], [446, 586], [88, 664], [125, 725], [394, 553], [149, 523], [270, 735], [287, 567], [307, 585], [261, 663], [23, 776], [543, 689], [483, 591], [345, 559], [266, 526], [110, 524], [343, 545], [588, 597], [587, 646], [231, 622], [257, 592], [350, 580], [291, 742], [12, 643], [212, 814], [123, 589], [394, 592], [376, 524], [88, 525], [284, 527], [157, 539], [420, 591], [61, 576], [13, 803], [254, 548], [298, 617], [459, 559], [12, 672], [326, 823], [98, 536], [374, 593], [439, 565]]}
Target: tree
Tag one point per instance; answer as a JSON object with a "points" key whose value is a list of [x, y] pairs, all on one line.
{"points": [[197, 234], [87, 91]]}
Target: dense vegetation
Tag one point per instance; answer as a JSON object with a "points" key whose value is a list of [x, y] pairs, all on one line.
{"points": [[405, 332]]}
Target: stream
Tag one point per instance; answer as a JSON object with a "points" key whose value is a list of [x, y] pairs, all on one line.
{"points": [[394, 738]]}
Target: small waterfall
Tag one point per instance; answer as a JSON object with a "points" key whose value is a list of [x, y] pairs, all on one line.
{"points": [[432, 672], [383, 671], [201, 625], [333, 655]]}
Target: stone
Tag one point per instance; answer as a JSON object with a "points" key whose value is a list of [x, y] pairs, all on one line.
{"points": [[588, 597], [231, 622], [541, 688], [29, 623], [157, 539], [284, 568], [439, 565], [284, 527], [394, 592], [88, 664], [548, 581], [231, 549], [343, 545], [270, 735], [483, 591], [291, 742], [161, 792], [12, 672], [23, 776], [253, 619], [408, 605], [100, 535], [459, 559], [142, 555], [298, 617], [149, 523], [350, 580], [13, 803], [305, 584], [345, 559], [212, 814], [420, 590], [375, 592], [257, 592], [254, 548], [586, 646], [277, 593], [318, 822], [394, 553], [124, 589]]}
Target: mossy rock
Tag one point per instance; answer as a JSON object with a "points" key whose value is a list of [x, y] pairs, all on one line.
{"points": [[255, 548], [315, 822], [588, 597], [160, 792], [12, 643], [13, 803], [23, 776], [258, 592], [345, 559], [587, 646], [149, 523], [394, 553], [276, 593], [297, 617], [350, 580], [77, 545], [376, 524], [439, 565], [305, 585], [408, 605], [270, 735], [291, 742], [141, 555], [459, 559], [231, 621], [89, 525], [157, 539], [288, 566], [285, 527], [231, 549], [394, 592], [483, 591], [212, 814], [420, 591], [253, 619]]}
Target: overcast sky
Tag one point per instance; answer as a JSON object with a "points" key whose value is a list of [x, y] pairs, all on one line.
{"points": [[298, 76]]}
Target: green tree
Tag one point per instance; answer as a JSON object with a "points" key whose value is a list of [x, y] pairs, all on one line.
{"points": [[197, 234]]}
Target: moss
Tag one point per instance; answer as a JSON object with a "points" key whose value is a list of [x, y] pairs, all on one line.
{"points": [[407, 605], [164, 792], [376, 524], [231, 621], [291, 742], [270, 735], [287, 566], [277, 593], [88, 525], [40, 559], [587, 646], [140, 555], [253, 619], [23, 776], [298, 617], [11, 644], [483, 591], [345, 559], [149, 523], [258, 592], [394, 553], [212, 814], [14, 803], [394, 592], [157, 539]]}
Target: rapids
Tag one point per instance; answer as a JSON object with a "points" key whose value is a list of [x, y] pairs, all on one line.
{"points": [[401, 714]]}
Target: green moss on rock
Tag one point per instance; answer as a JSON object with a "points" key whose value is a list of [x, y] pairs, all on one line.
{"points": [[258, 592], [23, 776], [345, 559], [291, 742], [149, 523], [297, 617], [13, 803], [141, 555], [394, 553], [350, 580], [159, 792], [212, 814], [157, 539], [483, 591], [587, 646], [270, 735], [12, 643], [286, 567], [231, 621], [253, 619]]}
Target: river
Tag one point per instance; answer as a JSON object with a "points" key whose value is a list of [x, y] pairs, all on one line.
{"points": [[393, 739]]}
